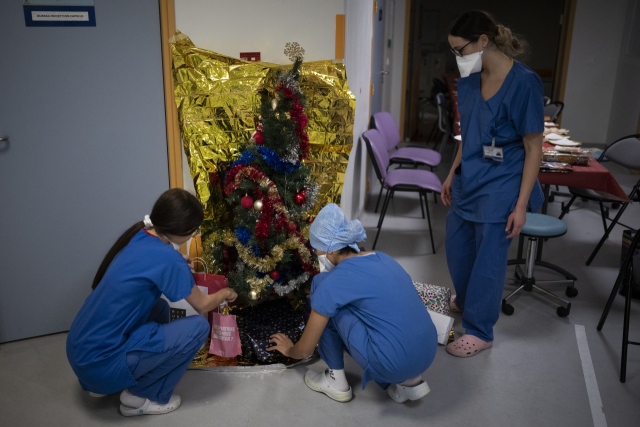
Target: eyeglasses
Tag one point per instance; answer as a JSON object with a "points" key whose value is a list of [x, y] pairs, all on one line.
{"points": [[458, 52]]}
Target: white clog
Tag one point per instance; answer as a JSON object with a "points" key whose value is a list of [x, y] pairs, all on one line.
{"points": [[401, 394]]}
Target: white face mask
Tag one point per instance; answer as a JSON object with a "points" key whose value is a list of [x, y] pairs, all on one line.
{"points": [[469, 64], [325, 264], [175, 245]]}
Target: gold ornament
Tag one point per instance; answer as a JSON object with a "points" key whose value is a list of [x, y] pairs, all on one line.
{"points": [[253, 295], [274, 103], [257, 205], [294, 51]]}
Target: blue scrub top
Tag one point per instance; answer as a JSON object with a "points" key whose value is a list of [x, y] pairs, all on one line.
{"points": [[377, 290], [113, 319], [483, 190]]}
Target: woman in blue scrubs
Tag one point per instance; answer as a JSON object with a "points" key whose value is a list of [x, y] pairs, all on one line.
{"points": [[121, 340], [365, 303], [493, 180]]}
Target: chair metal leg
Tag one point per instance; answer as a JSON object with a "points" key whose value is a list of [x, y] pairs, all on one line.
{"points": [[566, 208], [616, 286], [379, 196], [625, 329], [604, 220], [607, 232], [433, 246], [609, 303], [386, 197], [421, 207], [382, 214]]}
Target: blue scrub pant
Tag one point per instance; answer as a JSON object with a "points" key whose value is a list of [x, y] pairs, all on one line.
{"points": [[346, 331], [477, 259], [158, 374]]}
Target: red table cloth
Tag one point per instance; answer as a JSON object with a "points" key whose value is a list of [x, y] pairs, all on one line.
{"points": [[593, 177]]}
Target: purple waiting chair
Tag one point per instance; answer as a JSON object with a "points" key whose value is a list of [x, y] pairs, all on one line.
{"points": [[412, 180], [411, 156]]}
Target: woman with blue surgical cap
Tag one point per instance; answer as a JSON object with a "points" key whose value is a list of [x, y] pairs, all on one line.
{"points": [[366, 303], [493, 180]]}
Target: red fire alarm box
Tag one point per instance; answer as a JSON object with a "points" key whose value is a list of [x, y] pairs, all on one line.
{"points": [[250, 56]]}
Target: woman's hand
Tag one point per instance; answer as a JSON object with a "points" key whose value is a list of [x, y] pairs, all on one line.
{"points": [[282, 343], [189, 260], [232, 295], [445, 191], [516, 221]]}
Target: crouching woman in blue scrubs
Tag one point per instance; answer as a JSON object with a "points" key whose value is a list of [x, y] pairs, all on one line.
{"points": [[121, 340], [493, 180], [365, 303]]}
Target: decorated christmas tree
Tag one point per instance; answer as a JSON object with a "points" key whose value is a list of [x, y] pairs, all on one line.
{"points": [[268, 196]]}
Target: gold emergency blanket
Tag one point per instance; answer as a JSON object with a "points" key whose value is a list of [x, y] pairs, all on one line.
{"points": [[219, 100]]}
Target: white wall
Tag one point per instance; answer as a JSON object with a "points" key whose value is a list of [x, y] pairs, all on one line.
{"points": [[231, 27], [595, 52], [358, 35], [625, 108], [394, 30]]}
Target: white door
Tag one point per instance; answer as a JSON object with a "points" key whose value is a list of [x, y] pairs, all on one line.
{"points": [[83, 108]]}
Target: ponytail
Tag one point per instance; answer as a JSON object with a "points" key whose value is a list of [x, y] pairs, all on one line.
{"points": [[510, 44], [115, 250], [471, 25], [176, 212]]}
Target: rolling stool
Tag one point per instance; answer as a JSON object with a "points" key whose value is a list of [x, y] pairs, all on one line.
{"points": [[537, 227]]}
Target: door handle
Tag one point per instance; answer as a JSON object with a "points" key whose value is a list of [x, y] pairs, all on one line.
{"points": [[4, 138], [384, 72]]}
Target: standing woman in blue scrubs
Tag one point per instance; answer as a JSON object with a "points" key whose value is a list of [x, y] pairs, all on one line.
{"points": [[121, 340], [366, 303], [493, 180]]}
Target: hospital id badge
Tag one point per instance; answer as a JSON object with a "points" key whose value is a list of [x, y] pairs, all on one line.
{"points": [[491, 152]]}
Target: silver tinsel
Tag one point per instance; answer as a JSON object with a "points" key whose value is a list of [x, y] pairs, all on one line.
{"points": [[289, 81], [291, 284], [292, 155], [312, 195]]}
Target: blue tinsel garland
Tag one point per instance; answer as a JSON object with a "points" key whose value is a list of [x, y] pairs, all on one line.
{"points": [[245, 158], [272, 159], [243, 235]]}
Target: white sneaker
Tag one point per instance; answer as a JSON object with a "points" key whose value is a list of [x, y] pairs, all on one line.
{"points": [[401, 394], [152, 408], [317, 381]]}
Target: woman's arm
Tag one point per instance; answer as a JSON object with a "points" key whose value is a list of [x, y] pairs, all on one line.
{"points": [[445, 191], [533, 155], [205, 303], [308, 341]]}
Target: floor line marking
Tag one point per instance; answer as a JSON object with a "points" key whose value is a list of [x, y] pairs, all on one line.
{"points": [[593, 392]]}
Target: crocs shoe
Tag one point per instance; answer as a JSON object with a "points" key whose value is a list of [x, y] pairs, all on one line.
{"points": [[152, 408], [452, 305], [400, 393], [467, 346], [317, 381]]}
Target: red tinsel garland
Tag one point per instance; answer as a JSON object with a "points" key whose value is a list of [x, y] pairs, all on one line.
{"points": [[269, 202], [297, 115]]}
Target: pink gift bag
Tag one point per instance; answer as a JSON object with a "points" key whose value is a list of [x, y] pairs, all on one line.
{"points": [[225, 340]]}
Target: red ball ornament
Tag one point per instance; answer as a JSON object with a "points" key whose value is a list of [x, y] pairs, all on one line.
{"points": [[311, 219], [246, 202], [301, 197], [258, 138], [274, 275]]}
